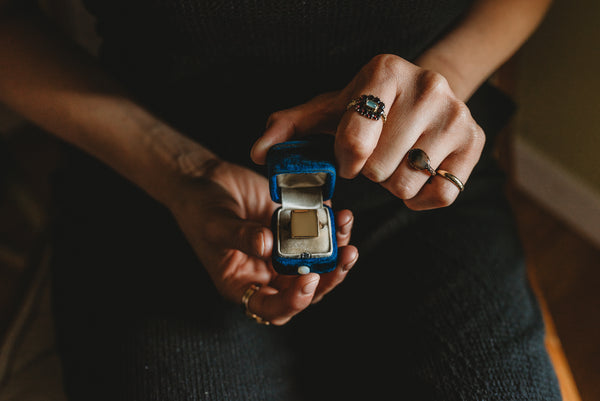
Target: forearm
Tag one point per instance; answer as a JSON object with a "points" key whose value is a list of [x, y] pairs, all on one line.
{"points": [[488, 35], [61, 89]]}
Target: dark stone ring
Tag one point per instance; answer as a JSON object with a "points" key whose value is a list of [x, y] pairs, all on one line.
{"points": [[419, 160], [369, 106]]}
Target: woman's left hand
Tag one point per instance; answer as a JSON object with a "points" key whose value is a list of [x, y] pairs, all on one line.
{"points": [[422, 112]]}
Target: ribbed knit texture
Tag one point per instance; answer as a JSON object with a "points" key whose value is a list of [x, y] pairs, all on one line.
{"points": [[437, 308], [188, 37]]}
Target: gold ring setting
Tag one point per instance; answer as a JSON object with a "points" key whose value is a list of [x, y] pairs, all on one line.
{"points": [[368, 106], [251, 290], [418, 160], [452, 178]]}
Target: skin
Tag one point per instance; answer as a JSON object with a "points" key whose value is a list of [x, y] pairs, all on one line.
{"points": [[224, 209]]}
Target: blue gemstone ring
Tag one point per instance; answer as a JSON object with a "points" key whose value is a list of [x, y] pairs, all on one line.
{"points": [[369, 106]]}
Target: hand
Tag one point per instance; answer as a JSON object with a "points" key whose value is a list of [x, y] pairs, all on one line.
{"points": [[225, 212], [422, 112]]}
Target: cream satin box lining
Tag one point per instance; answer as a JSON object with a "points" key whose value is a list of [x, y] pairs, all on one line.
{"points": [[302, 197]]}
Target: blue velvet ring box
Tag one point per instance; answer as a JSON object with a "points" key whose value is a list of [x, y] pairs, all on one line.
{"points": [[302, 176]]}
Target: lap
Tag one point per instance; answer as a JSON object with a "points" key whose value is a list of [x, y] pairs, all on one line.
{"points": [[438, 305]]}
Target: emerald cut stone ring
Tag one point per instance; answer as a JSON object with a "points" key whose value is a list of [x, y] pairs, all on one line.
{"points": [[369, 106]]}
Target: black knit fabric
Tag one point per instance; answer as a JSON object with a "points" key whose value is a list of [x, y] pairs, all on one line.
{"points": [[438, 307], [183, 57]]}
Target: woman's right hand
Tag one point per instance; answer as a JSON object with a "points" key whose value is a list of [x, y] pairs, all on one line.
{"points": [[225, 212]]}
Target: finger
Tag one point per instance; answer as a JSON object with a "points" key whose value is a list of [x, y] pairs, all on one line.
{"points": [[232, 232], [280, 127], [347, 257], [416, 111], [357, 135], [385, 77], [406, 182], [319, 115], [442, 192], [344, 220], [279, 305]]}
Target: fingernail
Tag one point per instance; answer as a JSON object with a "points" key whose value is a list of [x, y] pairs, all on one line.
{"points": [[261, 243], [350, 265], [346, 228], [253, 152], [261, 145], [310, 287]]}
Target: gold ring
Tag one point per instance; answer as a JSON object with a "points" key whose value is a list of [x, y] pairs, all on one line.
{"points": [[246, 299], [452, 178], [369, 106]]}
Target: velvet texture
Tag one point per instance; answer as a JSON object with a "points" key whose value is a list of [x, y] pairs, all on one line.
{"points": [[301, 157], [314, 155]]}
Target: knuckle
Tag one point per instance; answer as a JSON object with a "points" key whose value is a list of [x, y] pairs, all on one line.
{"points": [[384, 66], [461, 113], [473, 139], [402, 189], [413, 205], [460, 116], [296, 304], [431, 84], [374, 171], [477, 138], [444, 197], [276, 116], [462, 122], [355, 147], [386, 62]]}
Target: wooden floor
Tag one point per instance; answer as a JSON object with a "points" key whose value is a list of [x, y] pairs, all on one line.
{"points": [[567, 266]]}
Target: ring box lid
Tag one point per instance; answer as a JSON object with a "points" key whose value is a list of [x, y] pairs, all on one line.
{"points": [[301, 173]]}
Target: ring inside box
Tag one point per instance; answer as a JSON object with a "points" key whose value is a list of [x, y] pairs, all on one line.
{"points": [[303, 222], [307, 246]]}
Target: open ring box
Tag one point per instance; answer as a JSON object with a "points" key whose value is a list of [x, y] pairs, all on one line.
{"points": [[302, 176]]}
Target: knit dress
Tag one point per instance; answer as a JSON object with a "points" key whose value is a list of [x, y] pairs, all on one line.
{"points": [[438, 306]]}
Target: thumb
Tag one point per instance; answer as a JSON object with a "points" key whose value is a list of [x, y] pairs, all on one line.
{"points": [[319, 115], [280, 128], [250, 237]]}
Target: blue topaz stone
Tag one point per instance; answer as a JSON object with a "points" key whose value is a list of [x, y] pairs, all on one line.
{"points": [[369, 106], [372, 104]]}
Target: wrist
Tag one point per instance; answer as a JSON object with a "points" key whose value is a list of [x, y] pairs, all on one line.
{"points": [[145, 150], [177, 162], [462, 86]]}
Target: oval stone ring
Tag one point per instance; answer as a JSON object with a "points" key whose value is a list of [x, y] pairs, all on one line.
{"points": [[419, 160]]}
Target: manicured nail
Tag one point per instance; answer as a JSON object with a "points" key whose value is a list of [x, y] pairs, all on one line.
{"points": [[260, 146], [350, 265], [261, 243], [310, 287], [346, 228]]}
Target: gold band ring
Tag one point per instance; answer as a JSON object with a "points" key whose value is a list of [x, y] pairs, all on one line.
{"points": [[246, 299], [452, 178], [369, 106]]}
